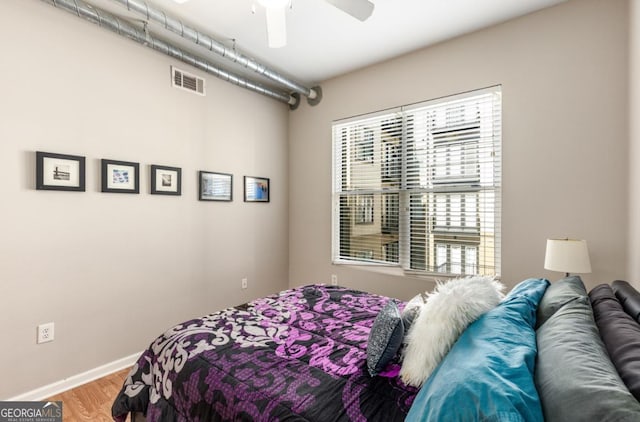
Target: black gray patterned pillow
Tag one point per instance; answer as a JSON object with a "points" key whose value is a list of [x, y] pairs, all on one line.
{"points": [[385, 338]]}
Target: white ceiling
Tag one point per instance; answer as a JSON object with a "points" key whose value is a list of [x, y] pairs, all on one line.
{"points": [[324, 42]]}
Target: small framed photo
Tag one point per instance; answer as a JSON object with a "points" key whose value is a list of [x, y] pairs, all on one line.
{"points": [[215, 186], [256, 189], [166, 180], [120, 176], [59, 172]]}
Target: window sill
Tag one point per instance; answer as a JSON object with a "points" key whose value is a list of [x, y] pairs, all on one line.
{"points": [[373, 267], [397, 271], [390, 270]]}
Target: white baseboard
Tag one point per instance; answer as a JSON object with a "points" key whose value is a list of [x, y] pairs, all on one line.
{"points": [[77, 380]]}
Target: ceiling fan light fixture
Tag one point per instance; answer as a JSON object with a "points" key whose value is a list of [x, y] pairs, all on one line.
{"points": [[273, 4], [359, 9]]}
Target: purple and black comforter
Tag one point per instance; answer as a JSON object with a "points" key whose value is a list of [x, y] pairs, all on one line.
{"points": [[296, 356]]}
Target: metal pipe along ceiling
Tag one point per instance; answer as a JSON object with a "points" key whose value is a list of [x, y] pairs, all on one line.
{"points": [[174, 25], [121, 27]]}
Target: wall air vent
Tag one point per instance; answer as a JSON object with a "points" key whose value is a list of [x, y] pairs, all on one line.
{"points": [[187, 81]]}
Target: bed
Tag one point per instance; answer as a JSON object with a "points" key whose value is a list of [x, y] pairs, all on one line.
{"points": [[546, 352], [299, 355]]}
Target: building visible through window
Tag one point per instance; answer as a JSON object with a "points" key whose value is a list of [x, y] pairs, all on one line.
{"points": [[364, 209]]}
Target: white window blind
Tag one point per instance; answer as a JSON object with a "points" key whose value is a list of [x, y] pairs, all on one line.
{"points": [[419, 186]]}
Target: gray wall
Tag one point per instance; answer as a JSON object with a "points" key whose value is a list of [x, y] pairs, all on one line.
{"points": [[564, 75], [114, 270]]}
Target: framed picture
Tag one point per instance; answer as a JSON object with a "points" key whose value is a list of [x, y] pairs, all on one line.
{"points": [[120, 176], [166, 180], [256, 189], [59, 172], [215, 186]]}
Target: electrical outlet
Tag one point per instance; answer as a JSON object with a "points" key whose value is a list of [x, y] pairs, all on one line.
{"points": [[244, 283], [45, 332], [334, 279]]}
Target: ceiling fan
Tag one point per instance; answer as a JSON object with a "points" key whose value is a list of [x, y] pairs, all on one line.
{"points": [[276, 22], [277, 25]]}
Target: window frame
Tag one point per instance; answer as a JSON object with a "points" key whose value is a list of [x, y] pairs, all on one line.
{"points": [[404, 193]]}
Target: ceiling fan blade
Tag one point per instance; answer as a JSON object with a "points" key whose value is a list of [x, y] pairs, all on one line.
{"points": [[276, 27], [359, 9]]}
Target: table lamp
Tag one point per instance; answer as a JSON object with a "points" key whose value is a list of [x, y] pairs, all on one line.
{"points": [[567, 256]]}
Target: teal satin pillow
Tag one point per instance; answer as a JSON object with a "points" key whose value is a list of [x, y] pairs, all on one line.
{"points": [[488, 374]]}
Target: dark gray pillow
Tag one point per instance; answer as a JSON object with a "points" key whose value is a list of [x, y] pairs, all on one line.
{"points": [[620, 334], [385, 338], [628, 297], [574, 376]]}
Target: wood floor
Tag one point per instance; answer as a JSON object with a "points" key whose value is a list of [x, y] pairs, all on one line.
{"points": [[92, 401]]}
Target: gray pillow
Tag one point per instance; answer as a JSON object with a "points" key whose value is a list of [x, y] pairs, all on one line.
{"points": [[385, 338], [557, 295], [412, 310], [574, 375]]}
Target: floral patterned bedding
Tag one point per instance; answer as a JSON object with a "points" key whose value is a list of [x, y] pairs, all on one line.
{"points": [[299, 355]]}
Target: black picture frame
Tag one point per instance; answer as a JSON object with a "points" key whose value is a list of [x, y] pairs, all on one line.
{"points": [[166, 180], [214, 186], [60, 172], [256, 189], [120, 176]]}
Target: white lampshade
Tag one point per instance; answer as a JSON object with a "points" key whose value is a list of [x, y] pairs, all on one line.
{"points": [[567, 256]]}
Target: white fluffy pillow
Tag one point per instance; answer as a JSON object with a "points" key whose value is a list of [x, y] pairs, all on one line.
{"points": [[449, 309]]}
